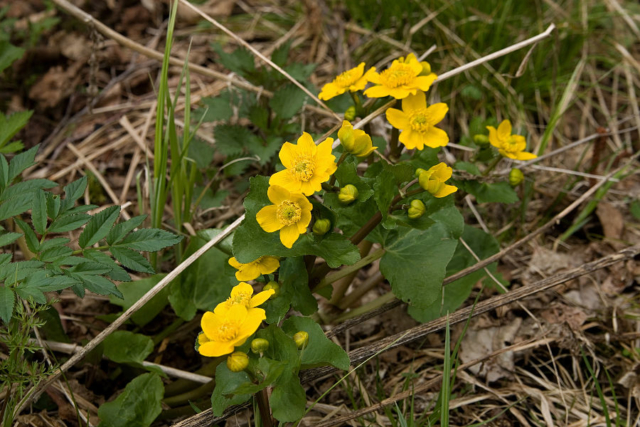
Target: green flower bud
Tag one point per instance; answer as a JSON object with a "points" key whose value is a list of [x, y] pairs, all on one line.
{"points": [[237, 361], [348, 194], [515, 177], [302, 339], [350, 114], [418, 172], [321, 227], [259, 346], [272, 285], [481, 139], [416, 209]]}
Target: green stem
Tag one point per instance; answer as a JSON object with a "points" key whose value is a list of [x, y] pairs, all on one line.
{"points": [[491, 166], [167, 331], [99, 248], [263, 404], [191, 394], [356, 102], [394, 147], [340, 287], [331, 278]]}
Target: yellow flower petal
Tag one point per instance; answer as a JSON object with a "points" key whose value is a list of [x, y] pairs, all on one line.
{"points": [[435, 137], [398, 119], [287, 154], [252, 321], [504, 130], [277, 194], [210, 323], [305, 219], [523, 155], [215, 349], [414, 102], [330, 90], [248, 272], [441, 171], [402, 92], [241, 289], [412, 139], [289, 235], [269, 264], [424, 82], [493, 137], [233, 262], [373, 76], [284, 180], [306, 145], [436, 112], [378, 91], [268, 219], [445, 191], [261, 298]]}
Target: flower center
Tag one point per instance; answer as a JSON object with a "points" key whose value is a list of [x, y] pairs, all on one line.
{"points": [[288, 213], [303, 168], [239, 299], [346, 79], [227, 331], [419, 121], [398, 75]]}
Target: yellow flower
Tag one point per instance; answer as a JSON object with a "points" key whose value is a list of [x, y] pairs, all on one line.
{"points": [[417, 122], [511, 146], [290, 214], [351, 80], [433, 180], [242, 294], [253, 270], [225, 332], [307, 165], [404, 77], [355, 141]]}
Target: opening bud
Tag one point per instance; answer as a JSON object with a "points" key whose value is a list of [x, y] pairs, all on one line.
{"points": [[348, 194], [237, 361], [515, 177], [416, 209], [272, 285], [321, 227], [350, 114], [301, 339], [481, 139]]}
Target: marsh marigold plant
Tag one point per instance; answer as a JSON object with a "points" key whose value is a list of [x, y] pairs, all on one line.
{"points": [[433, 180], [508, 145], [351, 80], [417, 122], [355, 141], [222, 333], [290, 214], [405, 76], [242, 294], [254, 269]]}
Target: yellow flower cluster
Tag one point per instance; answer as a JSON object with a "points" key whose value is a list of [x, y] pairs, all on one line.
{"points": [[232, 321], [511, 146]]}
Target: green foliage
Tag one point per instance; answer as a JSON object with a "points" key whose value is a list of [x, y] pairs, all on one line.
{"points": [[500, 192], [137, 406], [133, 291], [226, 383], [127, 347], [321, 350]]}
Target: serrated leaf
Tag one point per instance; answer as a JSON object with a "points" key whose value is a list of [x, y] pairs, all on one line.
{"points": [[117, 273], [10, 269], [127, 347], [287, 101], [56, 253], [8, 238], [39, 212], [239, 61], [281, 54], [33, 243], [121, 229], [131, 259], [73, 191], [230, 139], [15, 206], [44, 281], [52, 243], [77, 210], [137, 406], [27, 293], [215, 109], [7, 300], [53, 206], [150, 240], [68, 223], [22, 161], [98, 226], [98, 284], [12, 147], [23, 187], [8, 55]]}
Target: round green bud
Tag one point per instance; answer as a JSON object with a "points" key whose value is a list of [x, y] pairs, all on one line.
{"points": [[301, 339], [348, 194], [259, 346], [237, 361], [481, 139], [515, 177], [350, 114], [418, 172], [272, 285], [416, 209], [321, 227]]}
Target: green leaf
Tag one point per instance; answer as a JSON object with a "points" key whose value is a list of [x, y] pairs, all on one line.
{"points": [[456, 293], [385, 190], [7, 299], [468, 167], [634, 208], [52, 243], [53, 206], [98, 226], [23, 187], [267, 371], [22, 161], [500, 192], [54, 254], [127, 347], [67, 223], [281, 54], [150, 240], [239, 61], [15, 206], [415, 264], [294, 289], [226, 383], [8, 238], [287, 101], [117, 273], [39, 212], [281, 346], [133, 291], [73, 191], [230, 139], [121, 229], [131, 259], [215, 109], [321, 350], [201, 152], [30, 293], [250, 241], [288, 399], [44, 281], [348, 174], [205, 283], [8, 55], [265, 150], [137, 406], [12, 147], [10, 269]]}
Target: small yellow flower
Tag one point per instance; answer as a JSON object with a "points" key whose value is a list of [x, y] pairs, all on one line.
{"points": [[301, 338], [222, 333], [307, 165], [253, 269], [404, 77], [433, 180], [417, 122], [237, 361], [511, 146], [351, 80], [355, 141], [242, 294], [290, 214]]}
